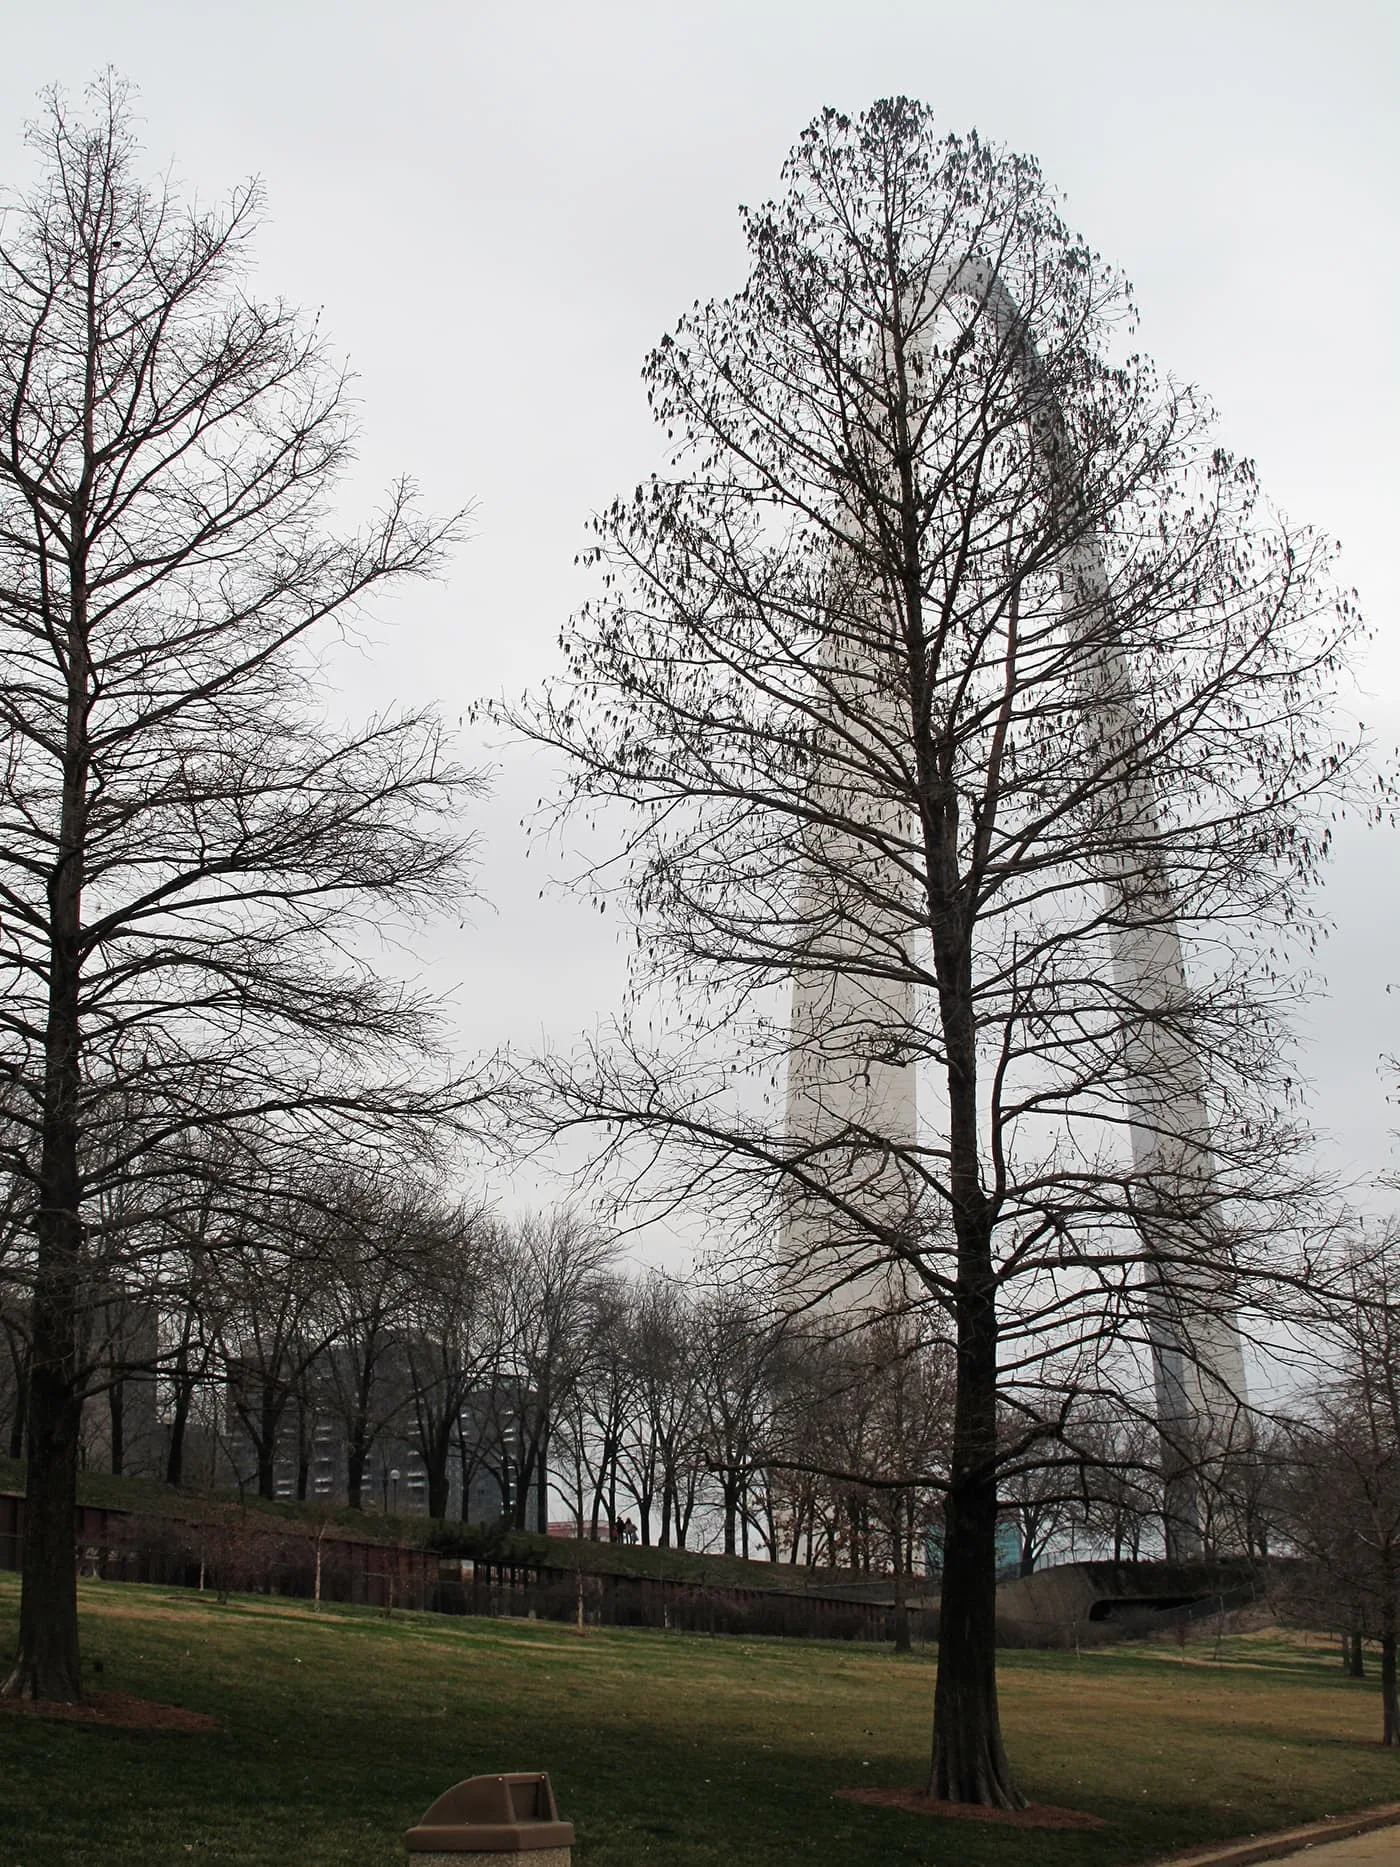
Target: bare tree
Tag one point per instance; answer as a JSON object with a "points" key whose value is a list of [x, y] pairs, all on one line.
{"points": [[368, 1290], [1339, 1503], [1037, 1499], [1118, 1477], [737, 1343], [190, 1311], [603, 1401], [951, 660], [452, 1344], [273, 1324], [188, 847], [669, 1408], [551, 1271]]}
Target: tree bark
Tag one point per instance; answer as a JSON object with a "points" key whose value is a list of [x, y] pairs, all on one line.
{"points": [[46, 1665], [179, 1421], [1390, 1704], [304, 1448], [116, 1413], [902, 1641], [17, 1423], [1355, 1656], [356, 1459], [435, 1458], [969, 1761]]}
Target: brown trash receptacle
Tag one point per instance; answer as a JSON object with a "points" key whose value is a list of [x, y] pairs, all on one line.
{"points": [[477, 1821]]}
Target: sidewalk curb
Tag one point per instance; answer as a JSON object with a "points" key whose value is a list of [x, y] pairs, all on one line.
{"points": [[1286, 1841]]}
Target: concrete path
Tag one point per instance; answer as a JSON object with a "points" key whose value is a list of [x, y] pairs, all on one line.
{"points": [[1380, 1848], [1368, 1840]]}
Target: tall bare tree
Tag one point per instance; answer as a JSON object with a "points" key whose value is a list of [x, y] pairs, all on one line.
{"points": [[188, 845], [951, 658]]}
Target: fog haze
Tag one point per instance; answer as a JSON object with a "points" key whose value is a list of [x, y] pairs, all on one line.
{"points": [[499, 209]]}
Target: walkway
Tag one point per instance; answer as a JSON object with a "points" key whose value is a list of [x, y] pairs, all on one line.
{"points": [[1381, 1848], [1376, 1845]]}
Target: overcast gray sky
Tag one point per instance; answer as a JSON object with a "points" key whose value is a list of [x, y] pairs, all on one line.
{"points": [[501, 207]]}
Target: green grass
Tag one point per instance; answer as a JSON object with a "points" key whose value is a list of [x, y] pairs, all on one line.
{"points": [[338, 1729]]}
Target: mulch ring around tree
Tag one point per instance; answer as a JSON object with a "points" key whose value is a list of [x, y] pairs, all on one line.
{"points": [[115, 1711], [1038, 1815]]}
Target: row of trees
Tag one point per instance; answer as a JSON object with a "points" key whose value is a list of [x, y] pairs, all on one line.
{"points": [[349, 1320]]}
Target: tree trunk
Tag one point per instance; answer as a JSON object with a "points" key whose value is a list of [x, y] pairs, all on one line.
{"points": [[116, 1407], [730, 1491], [179, 1421], [465, 1481], [304, 1432], [542, 1472], [1390, 1705], [969, 1760], [435, 1457], [17, 1423], [46, 1665], [356, 1459], [1355, 1656], [902, 1642]]}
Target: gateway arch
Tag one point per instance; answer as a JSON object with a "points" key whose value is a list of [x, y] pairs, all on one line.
{"points": [[846, 1079]]}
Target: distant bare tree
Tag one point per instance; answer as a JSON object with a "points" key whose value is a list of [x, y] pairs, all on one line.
{"points": [[1339, 1499], [190, 1312], [552, 1268], [1118, 1477], [737, 1344], [369, 1280], [1037, 1500], [189, 848], [603, 1402], [668, 1409], [273, 1324], [451, 1345]]}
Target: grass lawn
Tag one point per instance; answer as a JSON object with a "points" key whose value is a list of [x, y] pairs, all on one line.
{"points": [[338, 1729]]}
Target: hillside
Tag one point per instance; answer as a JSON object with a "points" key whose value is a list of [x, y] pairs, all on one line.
{"points": [[483, 1542]]}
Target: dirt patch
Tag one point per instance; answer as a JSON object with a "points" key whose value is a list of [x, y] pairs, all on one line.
{"points": [[1038, 1815], [115, 1711]]}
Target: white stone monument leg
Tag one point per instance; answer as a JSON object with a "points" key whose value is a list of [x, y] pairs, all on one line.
{"points": [[844, 1094]]}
